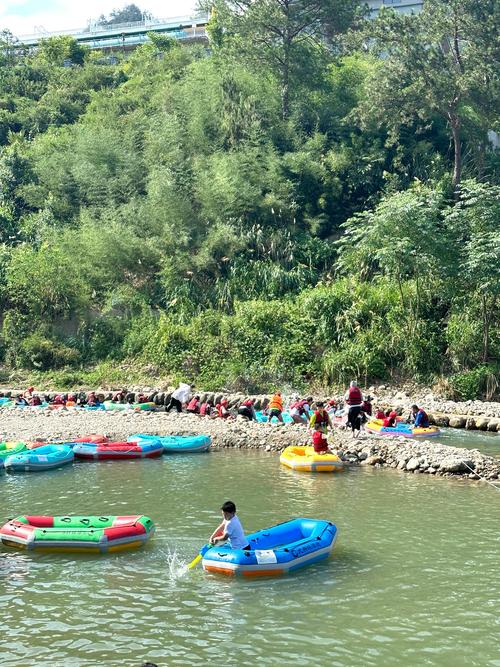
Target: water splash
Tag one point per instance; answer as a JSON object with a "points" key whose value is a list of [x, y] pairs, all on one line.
{"points": [[176, 566]]}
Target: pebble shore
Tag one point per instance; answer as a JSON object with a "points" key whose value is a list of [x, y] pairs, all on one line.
{"points": [[413, 456]]}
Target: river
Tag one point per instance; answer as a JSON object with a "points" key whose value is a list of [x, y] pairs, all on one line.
{"points": [[414, 578]]}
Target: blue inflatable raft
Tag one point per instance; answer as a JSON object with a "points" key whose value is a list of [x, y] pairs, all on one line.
{"points": [[177, 444], [274, 551], [46, 457]]}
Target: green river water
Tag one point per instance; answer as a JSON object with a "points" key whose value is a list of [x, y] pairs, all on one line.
{"points": [[414, 578]]}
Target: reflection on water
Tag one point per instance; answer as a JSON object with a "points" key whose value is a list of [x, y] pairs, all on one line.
{"points": [[412, 580]]}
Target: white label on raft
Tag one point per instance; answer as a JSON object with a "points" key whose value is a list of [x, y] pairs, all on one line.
{"points": [[42, 457], [265, 556]]}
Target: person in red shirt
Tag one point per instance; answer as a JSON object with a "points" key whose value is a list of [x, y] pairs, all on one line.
{"points": [[380, 414], [222, 409], [390, 419], [320, 442]]}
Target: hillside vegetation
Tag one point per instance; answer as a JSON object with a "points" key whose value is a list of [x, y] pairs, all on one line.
{"points": [[309, 200]]}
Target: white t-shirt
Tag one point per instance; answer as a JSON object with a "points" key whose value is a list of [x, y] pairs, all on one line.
{"points": [[236, 535], [182, 393]]}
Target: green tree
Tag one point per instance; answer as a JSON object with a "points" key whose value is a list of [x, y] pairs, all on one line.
{"points": [[282, 36], [128, 14], [57, 50], [475, 221], [439, 61]]}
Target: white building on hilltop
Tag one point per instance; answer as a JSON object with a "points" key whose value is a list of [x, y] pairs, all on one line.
{"points": [[403, 6]]}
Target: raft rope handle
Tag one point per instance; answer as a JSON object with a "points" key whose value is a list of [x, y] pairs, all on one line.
{"points": [[495, 486]]}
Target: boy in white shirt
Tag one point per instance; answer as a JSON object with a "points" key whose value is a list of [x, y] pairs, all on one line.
{"points": [[230, 529]]}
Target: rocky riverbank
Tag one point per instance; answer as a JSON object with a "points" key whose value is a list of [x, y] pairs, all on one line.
{"points": [[412, 456]]}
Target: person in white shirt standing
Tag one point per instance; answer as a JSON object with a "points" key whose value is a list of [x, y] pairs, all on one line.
{"points": [[181, 395], [230, 529]]}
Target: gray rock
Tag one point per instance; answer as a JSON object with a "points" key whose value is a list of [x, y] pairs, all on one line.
{"points": [[482, 423], [470, 424], [373, 460], [440, 420], [412, 464], [457, 422], [455, 464]]}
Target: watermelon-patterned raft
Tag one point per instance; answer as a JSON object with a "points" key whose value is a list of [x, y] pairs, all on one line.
{"points": [[118, 450], [83, 534]]}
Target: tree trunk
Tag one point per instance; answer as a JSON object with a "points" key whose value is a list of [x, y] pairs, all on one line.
{"points": [[285, 84], [486, 312], [457, 144]]}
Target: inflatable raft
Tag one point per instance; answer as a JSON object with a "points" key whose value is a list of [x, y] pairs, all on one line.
{"points": [[101, 451], [305, 459], [177, 444], [274, 551], [376, 427], [84, 534], [9, 448], [109, 405], [46, 457]]}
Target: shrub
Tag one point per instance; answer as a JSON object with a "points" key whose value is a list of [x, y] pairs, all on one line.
{"points": [[38, 352], [474, 384]]}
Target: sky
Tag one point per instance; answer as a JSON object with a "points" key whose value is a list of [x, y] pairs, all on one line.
{"points": [[25, 17]]}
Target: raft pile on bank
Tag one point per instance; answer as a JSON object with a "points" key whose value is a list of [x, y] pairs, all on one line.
{"points": [[38, 456]]}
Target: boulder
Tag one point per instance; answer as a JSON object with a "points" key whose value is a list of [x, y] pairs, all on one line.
{"points": [[457, 422], [482, 423], [440, 420], [493, 425], [372, 460], [470, 424], [413, 464], [455, 464]]}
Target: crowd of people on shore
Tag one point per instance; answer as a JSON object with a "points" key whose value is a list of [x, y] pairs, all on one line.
{"points": [[30, 398], [351, 411]]}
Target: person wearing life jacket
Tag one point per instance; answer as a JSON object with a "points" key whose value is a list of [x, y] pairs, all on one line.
{"points": [[298, 411], [35, 400], [331, 406], [58, 400], [275, 407], [380, 414], [92, 400], [367, 406], [222, 409], [247, 409], [354, 399], [206, 408], [421, 417], [194, 405], [319, 441], [320, 419], [390, 419]]}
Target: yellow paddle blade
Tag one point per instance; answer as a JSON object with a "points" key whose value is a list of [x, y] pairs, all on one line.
{"points": [[194, 562]]}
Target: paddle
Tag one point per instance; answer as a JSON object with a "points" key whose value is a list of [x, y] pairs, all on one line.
{"points": [[197, 559]]}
